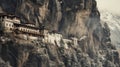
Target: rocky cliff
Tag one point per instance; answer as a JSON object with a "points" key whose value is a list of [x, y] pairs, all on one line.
{"points": [[76, 18]]}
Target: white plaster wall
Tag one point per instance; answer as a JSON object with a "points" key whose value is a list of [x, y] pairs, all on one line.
{"points": [[53, 39]]}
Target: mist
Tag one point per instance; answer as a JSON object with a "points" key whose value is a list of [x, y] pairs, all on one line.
{"points": [[109, 5]]}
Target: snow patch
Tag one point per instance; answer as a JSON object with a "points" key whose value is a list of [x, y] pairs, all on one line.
{"points": [[113, 21]]}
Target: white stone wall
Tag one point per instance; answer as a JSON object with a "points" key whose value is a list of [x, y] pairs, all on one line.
{"points": [[57, 39], [74, 41], [25, 29], [7, 26], [30, 25], [27, 37], [32, 38], [65, 43], [14, 20], [53, 39]]}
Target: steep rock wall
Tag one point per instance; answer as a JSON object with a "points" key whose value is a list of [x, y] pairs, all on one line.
{"points": [[60, 15], [79, 18]]}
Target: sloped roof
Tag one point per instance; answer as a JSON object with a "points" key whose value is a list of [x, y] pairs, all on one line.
{"points": [[9, 15]]}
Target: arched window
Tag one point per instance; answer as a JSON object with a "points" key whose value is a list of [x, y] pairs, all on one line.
{"points": [[6, 24], [25, 30], [28, 30], [9, 25], [12, 26], [21, 29]]}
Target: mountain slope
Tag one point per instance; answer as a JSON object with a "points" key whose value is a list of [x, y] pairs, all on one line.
{"points": [[113, 20]]}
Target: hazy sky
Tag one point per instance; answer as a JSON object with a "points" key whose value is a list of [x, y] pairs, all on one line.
{"points": [[110, 5]]}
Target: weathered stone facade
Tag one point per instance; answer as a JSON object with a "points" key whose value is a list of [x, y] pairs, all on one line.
{"points": [[12, 24]]}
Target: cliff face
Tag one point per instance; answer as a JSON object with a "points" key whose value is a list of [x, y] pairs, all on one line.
{"points": [[61, 15], [79, 18]]}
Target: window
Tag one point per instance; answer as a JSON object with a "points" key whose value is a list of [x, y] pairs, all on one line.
{"points": [[12, 26], [6, 24], [22, 29], [9, 25]]}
